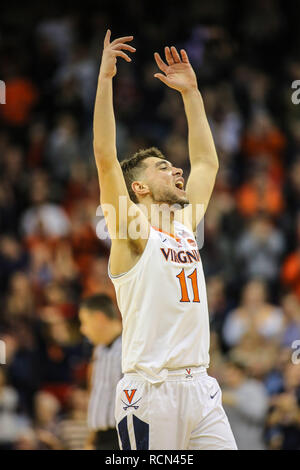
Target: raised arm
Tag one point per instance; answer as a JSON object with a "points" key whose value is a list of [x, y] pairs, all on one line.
{"points": [[111, 180], [104, 119], [179, 75]]}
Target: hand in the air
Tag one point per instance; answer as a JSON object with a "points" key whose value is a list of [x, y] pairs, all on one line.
{"points": [[111, 51], [178, 72]]}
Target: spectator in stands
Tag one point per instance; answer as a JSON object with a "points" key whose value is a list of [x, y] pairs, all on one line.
{"points": [[46, 411], [73, 430], [63, 148], [283, 423], [264, 138], [97, 279], [20, 298], [290, 273], [259, 250], [43, 218], [245, 401], [21, 96], [26, 440], [253, 314], [217, 305], [10, 421], [291, 310], [13, 257], [292, 187], [259, 194]]}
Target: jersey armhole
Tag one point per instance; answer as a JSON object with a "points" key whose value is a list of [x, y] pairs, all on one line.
{"points": [[130, 273]]}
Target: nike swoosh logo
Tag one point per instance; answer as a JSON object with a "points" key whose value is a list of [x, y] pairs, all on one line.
{"points": [[213, 396]]}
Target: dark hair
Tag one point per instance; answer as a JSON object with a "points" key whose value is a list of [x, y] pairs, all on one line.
{"points": [[132, 166], [100, 302]]}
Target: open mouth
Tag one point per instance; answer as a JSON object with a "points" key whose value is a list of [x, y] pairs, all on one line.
{"points": [[179, 185]]}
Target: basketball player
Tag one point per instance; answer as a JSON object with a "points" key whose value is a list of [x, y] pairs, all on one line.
{"points": [[165, 400]]}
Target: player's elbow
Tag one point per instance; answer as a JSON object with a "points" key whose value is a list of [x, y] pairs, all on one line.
{"points": [[101, 151], [214, 164], [217, 167], [213, 168]]}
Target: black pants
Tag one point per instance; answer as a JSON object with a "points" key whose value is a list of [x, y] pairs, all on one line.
{"points": [[107, 440]]}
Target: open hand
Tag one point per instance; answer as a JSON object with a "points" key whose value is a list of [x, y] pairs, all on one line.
{"points": [[111, 51], [178, 72]]}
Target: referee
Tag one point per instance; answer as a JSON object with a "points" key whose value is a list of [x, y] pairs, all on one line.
{"points": [[101, 324]]}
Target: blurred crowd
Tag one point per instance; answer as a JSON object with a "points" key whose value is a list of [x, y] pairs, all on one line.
{"points": [[245, 55]]}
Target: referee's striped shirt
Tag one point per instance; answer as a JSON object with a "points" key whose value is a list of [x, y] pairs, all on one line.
{"points": [[106, 373]]}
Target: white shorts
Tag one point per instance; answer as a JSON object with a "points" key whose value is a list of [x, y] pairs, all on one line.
{"points": [[183, 413]]}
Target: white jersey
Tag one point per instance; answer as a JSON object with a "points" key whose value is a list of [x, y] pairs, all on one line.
{"points": [[163, 304]]}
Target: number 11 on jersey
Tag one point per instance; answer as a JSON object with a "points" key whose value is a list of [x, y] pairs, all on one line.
{"points": [[183, 286]]}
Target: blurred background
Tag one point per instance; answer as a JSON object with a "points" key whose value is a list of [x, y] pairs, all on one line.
{"points": [[246, 56]]}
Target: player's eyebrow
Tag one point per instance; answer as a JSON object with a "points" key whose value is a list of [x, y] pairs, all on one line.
{"points": [[162, 162]]}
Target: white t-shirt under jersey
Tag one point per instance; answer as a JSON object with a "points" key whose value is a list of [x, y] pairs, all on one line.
{"points": [[163, 304]]}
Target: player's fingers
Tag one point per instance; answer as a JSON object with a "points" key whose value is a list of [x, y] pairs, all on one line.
{"points": [[123, 55], [184, 56], [124, 46], [123, 39], [169, 57], [160, 63], [107, 37], [161, 77], [175, 54]]}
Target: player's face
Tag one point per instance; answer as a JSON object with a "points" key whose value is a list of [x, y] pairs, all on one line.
{"points": [[165, 182]]}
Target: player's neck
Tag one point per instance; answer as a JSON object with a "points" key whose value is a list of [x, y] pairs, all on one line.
{"points": [[162, 218]]}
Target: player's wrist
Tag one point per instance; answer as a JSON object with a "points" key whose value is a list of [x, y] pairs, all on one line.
{"points": [[190, 91], [106, 76]]}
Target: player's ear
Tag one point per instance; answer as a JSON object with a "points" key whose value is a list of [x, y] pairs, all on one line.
{"points": [[140, 189]]}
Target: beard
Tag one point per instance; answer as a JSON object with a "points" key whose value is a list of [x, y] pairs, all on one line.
{"points": [[170, 198]]}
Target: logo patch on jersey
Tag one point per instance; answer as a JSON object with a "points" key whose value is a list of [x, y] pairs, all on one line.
{"points": [[191, 242], [189, 374], [129, 397], [183, 234]]}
